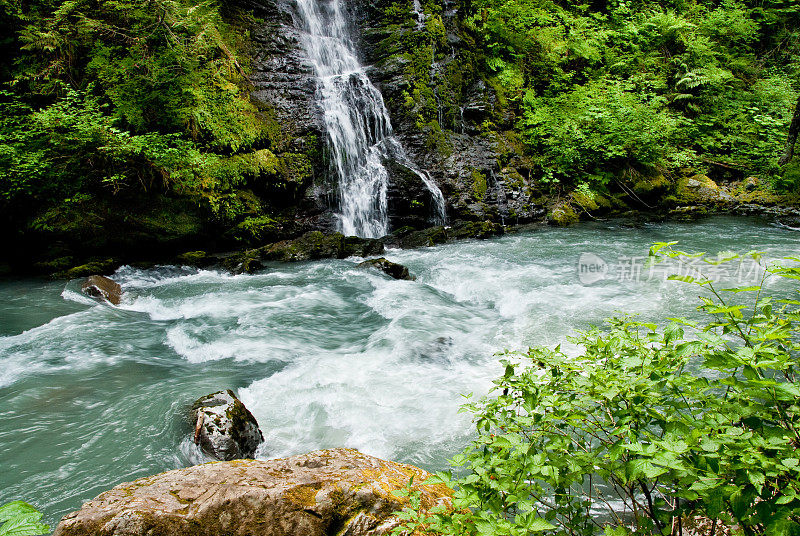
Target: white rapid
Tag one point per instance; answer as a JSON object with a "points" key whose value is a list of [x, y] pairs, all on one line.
{"points": [[360, 135]]}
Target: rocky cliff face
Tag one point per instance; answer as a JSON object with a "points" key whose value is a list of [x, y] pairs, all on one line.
{"points": [[447, 117], [284, 89], [450, 120]]}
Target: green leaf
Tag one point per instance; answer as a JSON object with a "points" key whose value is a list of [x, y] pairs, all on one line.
{"points": [[19, 518], [16, 508], [539, 525], [741, 289], [23, 526]]}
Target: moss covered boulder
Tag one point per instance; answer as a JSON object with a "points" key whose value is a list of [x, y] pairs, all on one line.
{"points": [[339, 491], [474, 229], [224, 428], [563, 215], [409, 238], [701, 190]]}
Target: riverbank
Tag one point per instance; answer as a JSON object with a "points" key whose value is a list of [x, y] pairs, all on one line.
{"points": [[81, 242]]}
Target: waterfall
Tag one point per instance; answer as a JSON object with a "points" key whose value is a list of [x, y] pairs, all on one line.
{"points": [[419, 15], [360, 135]]}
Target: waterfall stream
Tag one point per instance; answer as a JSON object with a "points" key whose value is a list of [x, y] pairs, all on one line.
{"points": [[360, 135]]}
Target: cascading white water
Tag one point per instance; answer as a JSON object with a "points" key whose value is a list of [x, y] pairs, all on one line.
{"points": [[360, 135], [419, 15]]}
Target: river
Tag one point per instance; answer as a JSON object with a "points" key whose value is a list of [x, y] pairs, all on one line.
{"points": [[324, 354]]}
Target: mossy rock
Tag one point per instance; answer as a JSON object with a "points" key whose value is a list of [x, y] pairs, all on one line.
{"points": [[762, 197], [295, 168], [245, 262], [94, 266], [700, 190], [317, 245], [475, 229], [689, 213], [652, 188], [59, 264], [339, 491], [258, 229], [512, 178], [563, 215], [585, 200], [195, 258], [479, 184], [424, 238], [310, 246], [224, 428]]}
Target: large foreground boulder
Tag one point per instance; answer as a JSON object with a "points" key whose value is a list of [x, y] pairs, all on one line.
{"points": [[103, 288], [224, 428], [328, 492]]}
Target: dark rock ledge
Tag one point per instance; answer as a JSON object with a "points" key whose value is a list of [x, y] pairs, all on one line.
{"points": [[317, 245]]}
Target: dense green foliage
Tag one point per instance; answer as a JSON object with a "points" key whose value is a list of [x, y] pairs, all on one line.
{"points": [[606, 89], [647, 429], [19, 518], [117, 98]]}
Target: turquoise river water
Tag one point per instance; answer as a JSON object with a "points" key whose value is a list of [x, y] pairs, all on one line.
{"points": [[324, 354]]}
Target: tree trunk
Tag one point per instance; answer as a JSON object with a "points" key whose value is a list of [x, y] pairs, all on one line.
{"points": [[794, 128]]}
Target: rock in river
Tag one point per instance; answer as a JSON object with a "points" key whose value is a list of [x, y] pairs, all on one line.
{"points": [[339, 491], [103, 288], [398, 271], [224, 428]]}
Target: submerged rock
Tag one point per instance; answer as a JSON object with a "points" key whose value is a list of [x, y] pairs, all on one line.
{"points": [[224, 427], [98, 286], [339, 491], [392, 269]]}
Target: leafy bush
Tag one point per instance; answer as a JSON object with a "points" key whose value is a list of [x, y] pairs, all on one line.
{"points": [[646, 430], [19, 518], [604, 85], [599, 129], [114, 96]]}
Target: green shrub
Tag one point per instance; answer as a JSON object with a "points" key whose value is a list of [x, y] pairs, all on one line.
{"points": [[595, 131], [645, 429]]}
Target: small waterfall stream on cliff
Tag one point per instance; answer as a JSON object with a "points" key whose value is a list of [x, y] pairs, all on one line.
{"points": [[360, 135], [323, 353]]}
